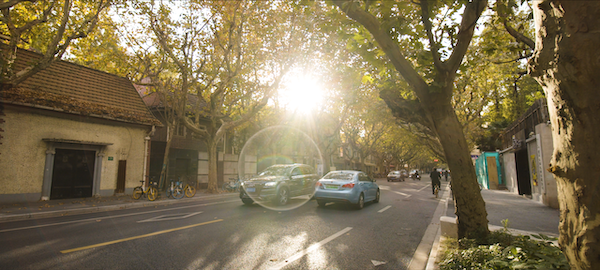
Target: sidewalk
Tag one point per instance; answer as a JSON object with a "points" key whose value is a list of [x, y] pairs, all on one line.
{"points": [[525, 217], [53, 208], [522, 213]]}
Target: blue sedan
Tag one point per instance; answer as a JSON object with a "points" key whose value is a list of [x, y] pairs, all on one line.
{"points": [[353, 187]]}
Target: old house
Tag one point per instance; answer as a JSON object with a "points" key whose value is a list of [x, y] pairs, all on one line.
{"points": [[187, 156], [71, 132]]}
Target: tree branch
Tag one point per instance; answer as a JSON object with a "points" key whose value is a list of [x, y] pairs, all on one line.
{"points": [[387, 44], [432, 44], [472, 13], [14, 2], [501, 10]]}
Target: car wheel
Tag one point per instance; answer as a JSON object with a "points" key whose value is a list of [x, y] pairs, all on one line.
{"points": [[377, 196], [247, 201], [283, 196], [388, 180], [361, 202], [321, 203]]}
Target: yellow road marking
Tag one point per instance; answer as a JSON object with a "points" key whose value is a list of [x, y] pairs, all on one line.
{"points": [[138, 237]]}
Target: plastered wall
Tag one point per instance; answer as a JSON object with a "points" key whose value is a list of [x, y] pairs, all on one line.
{"points": [[23, 151]]}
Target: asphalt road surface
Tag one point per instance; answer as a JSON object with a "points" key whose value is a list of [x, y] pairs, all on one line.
{"points": [[223, 233]]}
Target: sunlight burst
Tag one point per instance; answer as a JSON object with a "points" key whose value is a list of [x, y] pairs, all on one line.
{"points": [[301, 94]]}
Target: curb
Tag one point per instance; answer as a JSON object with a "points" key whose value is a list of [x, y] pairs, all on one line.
{"points": [[94, 209]]}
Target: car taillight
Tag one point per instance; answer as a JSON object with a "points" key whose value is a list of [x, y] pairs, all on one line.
{"points": [[318, 184], [350, 185]]}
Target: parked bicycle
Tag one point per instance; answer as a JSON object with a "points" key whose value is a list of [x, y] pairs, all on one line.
{"points": [[151, 192], [233, 185], [190, 189], [175, 190]]}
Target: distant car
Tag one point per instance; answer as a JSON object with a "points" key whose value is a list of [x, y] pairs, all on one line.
{"points": [[279, 183], [397, 176], [354, 187]]}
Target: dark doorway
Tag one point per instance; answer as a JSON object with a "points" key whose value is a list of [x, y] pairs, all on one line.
{"points": [[73, 174], [523, 178], [182, 167], [121, 176]]}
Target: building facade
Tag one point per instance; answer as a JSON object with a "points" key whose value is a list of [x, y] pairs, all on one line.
{"points": [[527, 150], [71, 132]]}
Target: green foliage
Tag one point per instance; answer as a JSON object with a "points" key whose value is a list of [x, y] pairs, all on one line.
{"points": [[501, 250]]}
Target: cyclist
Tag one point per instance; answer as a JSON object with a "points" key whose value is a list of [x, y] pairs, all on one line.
{"points": [[435, 180]]}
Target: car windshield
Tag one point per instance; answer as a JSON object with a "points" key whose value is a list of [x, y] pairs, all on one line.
{"points": [[275, 171], [339, 175], [395, 173]]}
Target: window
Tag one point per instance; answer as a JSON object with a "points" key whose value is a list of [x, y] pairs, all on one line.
{"points": [[307, 170], [180, 130]]}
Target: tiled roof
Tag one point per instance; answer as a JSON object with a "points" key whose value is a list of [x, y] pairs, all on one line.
{"points": [[154, 100], [72, 88]]}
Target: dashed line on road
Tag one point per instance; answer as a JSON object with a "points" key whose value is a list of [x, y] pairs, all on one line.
{"points": [[385, 208], [138, 237], [312, 248], [397, 192], [403, 194]]}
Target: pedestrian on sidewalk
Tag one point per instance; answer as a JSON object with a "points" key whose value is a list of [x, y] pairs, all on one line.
{"points": [[435, 180]]}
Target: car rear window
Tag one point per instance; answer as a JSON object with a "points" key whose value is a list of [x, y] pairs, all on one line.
{"points": [[339, 176]]}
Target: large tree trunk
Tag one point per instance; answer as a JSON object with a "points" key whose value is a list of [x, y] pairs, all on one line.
{"points": [[212, 166], [163, 171], [470, 207], [567, 65]]}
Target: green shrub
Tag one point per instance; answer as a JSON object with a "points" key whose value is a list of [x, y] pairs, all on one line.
{"points": [[500, 251]]}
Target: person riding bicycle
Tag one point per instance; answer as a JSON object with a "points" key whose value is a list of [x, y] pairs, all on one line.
{"points": [[435, 180]]}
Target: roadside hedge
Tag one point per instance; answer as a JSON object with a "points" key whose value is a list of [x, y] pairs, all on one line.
{"points": [[500, 251]]}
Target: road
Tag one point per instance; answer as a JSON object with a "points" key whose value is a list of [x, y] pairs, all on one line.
{"points": [[223, 233]]}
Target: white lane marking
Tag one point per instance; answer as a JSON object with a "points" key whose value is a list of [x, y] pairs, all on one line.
{"points": [[382, 187], [428, 185], [377, 263], [385, 208], [403, 194], [311, 248], [170, 217], [397, 192], [109, 217]]}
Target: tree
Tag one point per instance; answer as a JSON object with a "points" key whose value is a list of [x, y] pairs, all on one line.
{"points": [[367, 122], [565, 63], [398, 30], [398, 147], [106, 49], [43, 25], [232, 63]]}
